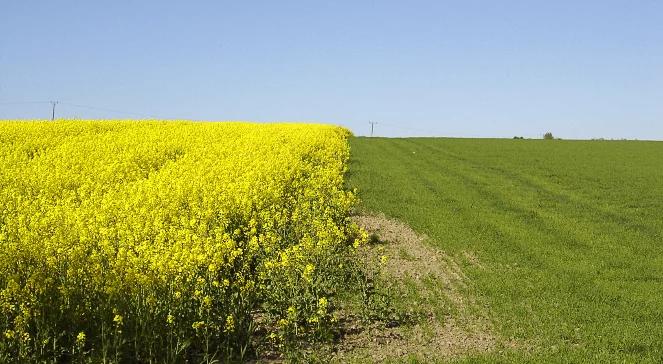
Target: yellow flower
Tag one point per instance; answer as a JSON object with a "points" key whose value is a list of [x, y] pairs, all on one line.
{"points": [[9, 334], [80, 338], [308, 272], [161, 215], [322, 303], [230, 324], [207, 301]]}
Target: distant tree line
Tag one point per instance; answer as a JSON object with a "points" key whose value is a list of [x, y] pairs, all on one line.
{"points": [[546, 136]]}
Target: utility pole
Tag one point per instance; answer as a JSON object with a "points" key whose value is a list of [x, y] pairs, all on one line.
{"points": [[373, 123], [53, 103]]}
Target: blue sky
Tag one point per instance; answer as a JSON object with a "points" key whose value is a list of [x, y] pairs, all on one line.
{"points": [[580, 69]]}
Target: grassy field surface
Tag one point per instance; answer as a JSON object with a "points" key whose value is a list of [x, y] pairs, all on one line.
{"points": [[568, 235]]}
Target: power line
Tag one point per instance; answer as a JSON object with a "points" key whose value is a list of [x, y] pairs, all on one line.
{"points": [[23, 102], [409, 128], [110, 110], [90, 107]]}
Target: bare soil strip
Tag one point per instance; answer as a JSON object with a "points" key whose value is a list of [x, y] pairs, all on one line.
{"points": [[452, 323]]}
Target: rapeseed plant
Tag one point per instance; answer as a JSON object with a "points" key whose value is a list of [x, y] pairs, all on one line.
{"points": [[161, 241]]}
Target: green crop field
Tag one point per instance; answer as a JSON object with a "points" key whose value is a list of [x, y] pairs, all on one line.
{"points": [[569, 235]]}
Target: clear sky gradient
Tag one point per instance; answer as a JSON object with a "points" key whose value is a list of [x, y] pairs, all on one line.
{"points": [[580, 69]]}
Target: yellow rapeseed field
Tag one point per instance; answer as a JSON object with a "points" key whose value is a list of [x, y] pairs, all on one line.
{"points": [[168, 241]]}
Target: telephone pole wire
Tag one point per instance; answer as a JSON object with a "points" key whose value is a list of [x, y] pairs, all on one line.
{"points": [[53, 103], [373, 123]]}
